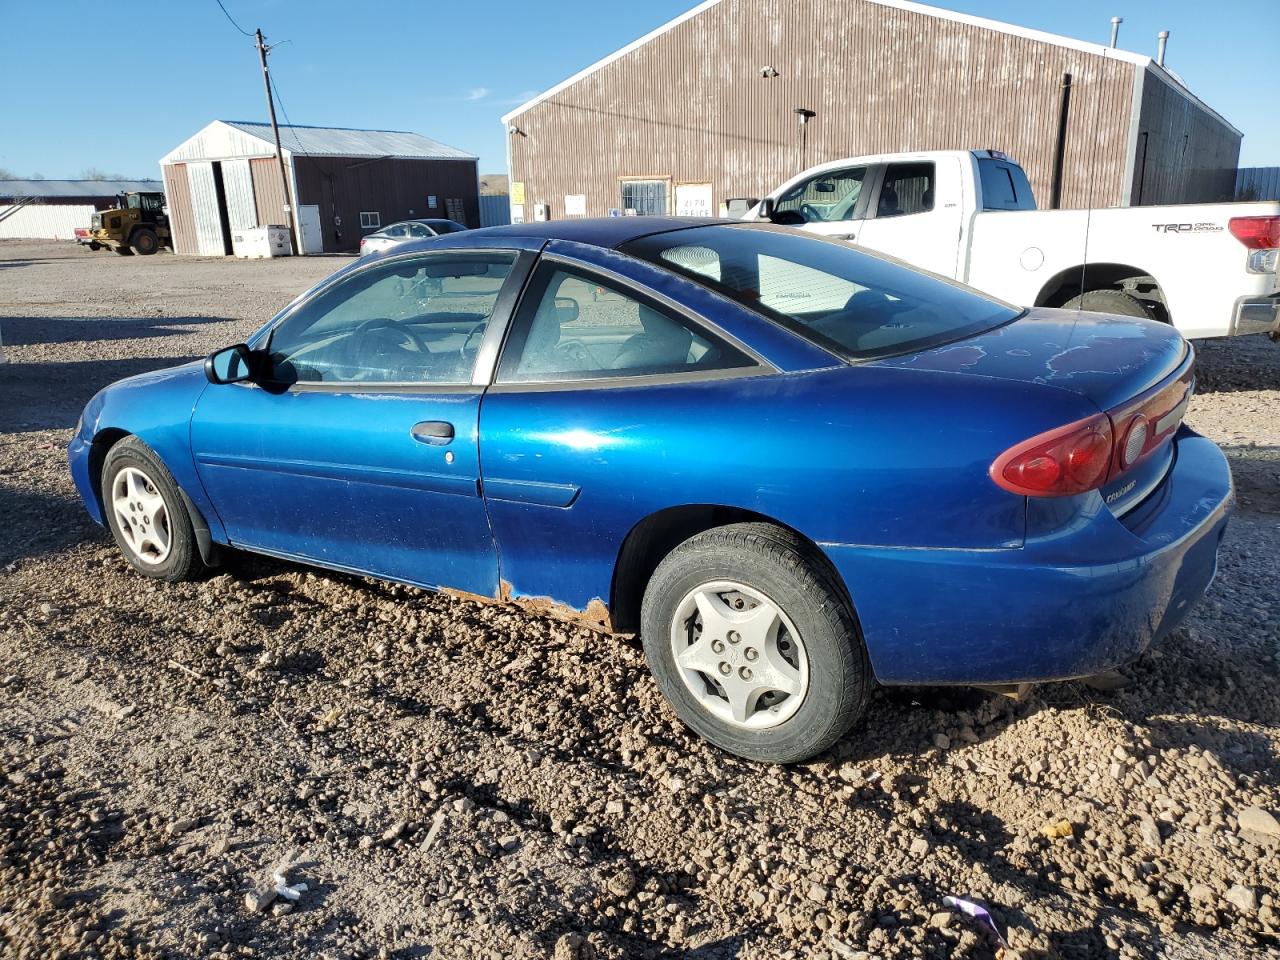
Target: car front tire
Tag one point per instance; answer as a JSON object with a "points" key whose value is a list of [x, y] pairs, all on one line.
{"points": [[147, 514], [753, 644]]}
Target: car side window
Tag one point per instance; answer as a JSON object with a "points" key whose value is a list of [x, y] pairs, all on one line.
{"points": [[419, 230], [907, 189], [576, 326], [409, 321], [828, 197]]}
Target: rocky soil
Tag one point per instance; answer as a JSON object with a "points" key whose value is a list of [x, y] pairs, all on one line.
{"points": [[451, 779]]}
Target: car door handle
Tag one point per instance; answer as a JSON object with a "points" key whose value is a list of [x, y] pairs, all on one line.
{"points": [[435, 432]]}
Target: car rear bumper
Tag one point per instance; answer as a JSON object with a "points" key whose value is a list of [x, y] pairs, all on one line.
{"points": [[1088, 598]]}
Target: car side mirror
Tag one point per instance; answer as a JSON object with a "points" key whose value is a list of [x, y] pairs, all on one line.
{"points": [[229, 365], [766, 210]]}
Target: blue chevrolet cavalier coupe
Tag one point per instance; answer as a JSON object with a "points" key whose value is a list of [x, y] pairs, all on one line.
{"points": [[791, 466]]}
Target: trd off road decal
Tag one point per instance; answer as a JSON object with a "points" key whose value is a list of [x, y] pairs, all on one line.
{"points": [[1188, 227]]}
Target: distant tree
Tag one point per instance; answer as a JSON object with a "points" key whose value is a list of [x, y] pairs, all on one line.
{"points": [[6, 174]]}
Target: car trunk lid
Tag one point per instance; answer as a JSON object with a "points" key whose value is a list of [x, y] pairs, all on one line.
{"points": [[1107, 359]]}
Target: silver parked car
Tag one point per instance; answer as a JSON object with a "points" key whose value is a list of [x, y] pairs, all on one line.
{"points": [[389, 236]]}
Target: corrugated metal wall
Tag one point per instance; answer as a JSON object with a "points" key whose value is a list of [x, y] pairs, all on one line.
{"points": [[40, 221], [495, 209], [177, 191], [268, 192], [1258, 183], [396, 189], [1184, 154], [238, 184], [691, 104], [204, 209]]}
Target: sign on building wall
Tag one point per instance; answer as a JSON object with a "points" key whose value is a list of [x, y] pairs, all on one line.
{"points": [[575, 205], [431, 203], [517, 192], [693, 200], [517, 213]]}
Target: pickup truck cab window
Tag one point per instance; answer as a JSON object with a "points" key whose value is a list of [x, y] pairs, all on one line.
{"points": [[573, 325], [1004, 186], [826, 198], [408, 321], [907, 188]]}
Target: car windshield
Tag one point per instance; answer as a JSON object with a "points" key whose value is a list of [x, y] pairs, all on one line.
{"points": [[853, 303]]}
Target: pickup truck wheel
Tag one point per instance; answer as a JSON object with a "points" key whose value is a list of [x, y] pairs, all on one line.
{"points": [[147, 515], [752, 643], [145, 241], [1109, 301]]}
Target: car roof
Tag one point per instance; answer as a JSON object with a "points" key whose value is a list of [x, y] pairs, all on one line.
{"points": [[607, 232], [596, 231]]}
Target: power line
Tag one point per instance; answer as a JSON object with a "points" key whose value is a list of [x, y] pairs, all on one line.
{"points": [[231, 19]]}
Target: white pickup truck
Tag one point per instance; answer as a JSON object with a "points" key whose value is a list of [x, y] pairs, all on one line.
{"points": [[1209, 269]]}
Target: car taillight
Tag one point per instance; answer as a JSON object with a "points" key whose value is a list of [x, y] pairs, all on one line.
{"points": [[1089, 453], [1256, 233], [1058, 463]]}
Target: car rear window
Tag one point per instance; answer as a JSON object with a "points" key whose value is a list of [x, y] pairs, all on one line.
{"points": [[853, 303]]}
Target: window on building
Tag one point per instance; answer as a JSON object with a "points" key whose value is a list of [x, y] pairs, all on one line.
{"points": [[370, 220], [648, 198], [453, 209], [585, 328], [829, 196], [907, 189]]}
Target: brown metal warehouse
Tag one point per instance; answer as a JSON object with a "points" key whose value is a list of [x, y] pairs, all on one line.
{"points": [[703, 109], [346, 183]]}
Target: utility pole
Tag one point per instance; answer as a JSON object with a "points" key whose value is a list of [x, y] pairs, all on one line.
{"points": [[289, 205]]}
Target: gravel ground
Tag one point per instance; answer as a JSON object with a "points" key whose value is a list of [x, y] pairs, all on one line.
{"points": [[451, 779]]}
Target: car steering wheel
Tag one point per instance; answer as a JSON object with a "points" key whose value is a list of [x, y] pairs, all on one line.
{"points": [[378, 327], [812, 214]]}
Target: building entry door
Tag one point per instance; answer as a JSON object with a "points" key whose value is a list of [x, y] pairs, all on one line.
{"points": [[310, 239]]}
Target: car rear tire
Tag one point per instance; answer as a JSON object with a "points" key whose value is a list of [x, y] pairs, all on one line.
{"points": [[752, 642], [1109, 301], [147, 514], [144, 242]]}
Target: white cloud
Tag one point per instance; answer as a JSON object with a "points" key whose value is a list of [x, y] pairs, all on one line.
{"points": [[477, 93]]}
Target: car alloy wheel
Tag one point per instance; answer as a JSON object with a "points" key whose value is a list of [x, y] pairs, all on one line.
{"points": [[142, 515], [739, 655]]}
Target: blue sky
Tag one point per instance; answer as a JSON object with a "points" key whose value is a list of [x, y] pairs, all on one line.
{"points": [[115, 85]]}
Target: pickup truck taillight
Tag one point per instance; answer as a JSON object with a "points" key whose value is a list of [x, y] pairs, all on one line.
{"points": [[1256, 233], [1091, 452]]}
